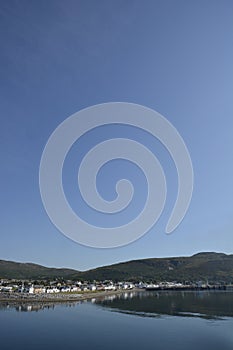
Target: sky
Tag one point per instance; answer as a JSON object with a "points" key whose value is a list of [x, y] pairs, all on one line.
{"points": [[58, 57]]}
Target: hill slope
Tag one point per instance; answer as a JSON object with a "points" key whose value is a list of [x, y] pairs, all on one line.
{"points": [[10, 269], [202, 266]]}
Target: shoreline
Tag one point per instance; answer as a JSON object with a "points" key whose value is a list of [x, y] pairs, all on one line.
{"points": [[78, 297], [58, 298]]}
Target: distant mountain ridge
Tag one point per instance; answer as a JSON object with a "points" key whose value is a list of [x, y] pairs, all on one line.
{"points": [[217, 267]]}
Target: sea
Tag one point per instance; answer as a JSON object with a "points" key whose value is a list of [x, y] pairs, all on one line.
{"points": [[176, 320]]}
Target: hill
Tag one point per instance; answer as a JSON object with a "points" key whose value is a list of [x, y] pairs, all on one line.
{"points": [[10, 269], [201, 266], [214, 267]]}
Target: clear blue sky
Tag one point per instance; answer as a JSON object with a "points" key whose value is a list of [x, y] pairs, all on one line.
{"points": [[58, 57]]}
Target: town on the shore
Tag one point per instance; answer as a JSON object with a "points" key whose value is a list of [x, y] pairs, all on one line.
{"points": [[58, 286]]}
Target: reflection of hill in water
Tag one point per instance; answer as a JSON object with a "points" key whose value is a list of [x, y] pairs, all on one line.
{"points": [[193, 304]]}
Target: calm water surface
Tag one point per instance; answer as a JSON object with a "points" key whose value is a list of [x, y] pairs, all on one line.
{"points": [[145, 320]]}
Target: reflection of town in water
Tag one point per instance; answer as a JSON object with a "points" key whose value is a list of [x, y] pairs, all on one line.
{"points": [[27, 307], [204, 304], [21, 307]]}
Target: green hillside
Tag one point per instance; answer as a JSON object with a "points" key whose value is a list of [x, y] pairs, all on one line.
{"points": [[214, 267], [10, 269], [202, 266]]}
